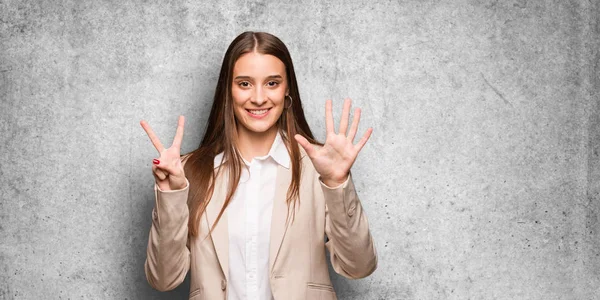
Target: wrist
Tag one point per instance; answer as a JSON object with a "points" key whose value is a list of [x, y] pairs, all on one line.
{"points": [[334, 182], [179, 185]]}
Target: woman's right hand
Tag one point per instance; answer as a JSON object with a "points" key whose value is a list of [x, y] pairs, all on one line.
{"points": [[167, 169]]}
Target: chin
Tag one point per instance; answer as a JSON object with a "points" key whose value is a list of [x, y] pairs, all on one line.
{"points": [[259, 129]]}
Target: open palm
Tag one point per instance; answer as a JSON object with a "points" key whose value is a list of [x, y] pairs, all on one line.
{"points": [[335, 158]]}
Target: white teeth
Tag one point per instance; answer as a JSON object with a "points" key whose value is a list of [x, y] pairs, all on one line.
{"points": [[258, 112]]}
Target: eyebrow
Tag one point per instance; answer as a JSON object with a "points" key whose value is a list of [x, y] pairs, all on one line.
{"points": [[268, 77]]}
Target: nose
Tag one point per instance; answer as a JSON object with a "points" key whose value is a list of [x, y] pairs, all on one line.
{"points": [[259, 96]]}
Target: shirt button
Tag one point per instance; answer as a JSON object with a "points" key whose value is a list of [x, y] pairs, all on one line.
{"points": [[223, 284], [351, 210]]}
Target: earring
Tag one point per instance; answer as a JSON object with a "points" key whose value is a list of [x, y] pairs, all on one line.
{"points": [[290, 105]]}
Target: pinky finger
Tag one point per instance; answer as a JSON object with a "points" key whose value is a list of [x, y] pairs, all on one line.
{"points": [[363, 140], [158, 173]]}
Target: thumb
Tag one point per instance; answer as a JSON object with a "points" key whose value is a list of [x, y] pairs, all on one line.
{"points": [[308, 147]]}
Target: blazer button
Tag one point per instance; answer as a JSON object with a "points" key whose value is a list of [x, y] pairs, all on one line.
{"points": [[223, 284], [154, 215], [351, 210]]}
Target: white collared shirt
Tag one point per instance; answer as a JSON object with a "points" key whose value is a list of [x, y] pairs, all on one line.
{"points": [[249, 222]]}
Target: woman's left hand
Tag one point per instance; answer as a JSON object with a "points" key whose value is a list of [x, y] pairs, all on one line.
{"points": [[335, 158]]}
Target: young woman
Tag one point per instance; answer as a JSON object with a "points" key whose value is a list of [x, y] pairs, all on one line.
{"points": [[247, 213]]}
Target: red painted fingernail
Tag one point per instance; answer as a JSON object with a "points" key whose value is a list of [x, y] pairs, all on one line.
{"points": [[156, 161]]}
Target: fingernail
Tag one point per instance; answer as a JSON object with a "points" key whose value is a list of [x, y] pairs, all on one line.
{"points": [[156, 161]]}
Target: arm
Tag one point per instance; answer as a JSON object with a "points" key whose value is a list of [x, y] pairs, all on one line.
{"points": [[168, 258], [350, 244]]}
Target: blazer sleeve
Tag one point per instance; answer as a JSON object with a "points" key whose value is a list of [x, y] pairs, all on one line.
{"points": [[168, 256], [351, 247]]}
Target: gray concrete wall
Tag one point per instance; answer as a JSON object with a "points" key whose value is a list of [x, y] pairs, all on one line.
{"points": [[481, 180]]}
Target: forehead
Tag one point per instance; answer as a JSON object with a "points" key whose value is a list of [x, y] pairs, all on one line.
{"points": [[256, 65]]}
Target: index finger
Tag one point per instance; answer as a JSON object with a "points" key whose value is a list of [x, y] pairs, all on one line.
{"points": [[153, 138], [329, 117], [179, 132]]}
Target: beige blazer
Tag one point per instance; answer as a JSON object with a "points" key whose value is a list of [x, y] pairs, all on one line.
{"points": [[297, 264]]}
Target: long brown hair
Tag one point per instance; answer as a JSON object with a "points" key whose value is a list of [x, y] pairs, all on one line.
{"points": [[221, 131]]}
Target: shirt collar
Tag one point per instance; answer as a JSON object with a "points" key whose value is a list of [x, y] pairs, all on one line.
{"points": [[278, 152]]}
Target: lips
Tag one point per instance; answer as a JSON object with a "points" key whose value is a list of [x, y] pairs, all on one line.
{"points": [[258, 113]]}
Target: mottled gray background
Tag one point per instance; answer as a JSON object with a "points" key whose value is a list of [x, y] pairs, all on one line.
{"points": [[481, 179]]}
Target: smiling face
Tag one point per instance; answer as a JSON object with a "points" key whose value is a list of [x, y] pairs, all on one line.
{"points": [[259, 88]]}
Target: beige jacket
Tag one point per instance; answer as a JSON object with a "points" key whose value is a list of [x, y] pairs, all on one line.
{"points": [[298, 267]]}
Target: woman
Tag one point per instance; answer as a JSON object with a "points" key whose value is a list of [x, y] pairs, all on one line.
{"points": [[247, 212]]}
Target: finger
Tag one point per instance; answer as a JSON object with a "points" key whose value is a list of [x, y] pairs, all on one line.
{"points": [[153, 138], [308, 147], [170, 169], [179, 133], [329, 117], [158, 173], [354, 126], [363, 140], [345, 115]]}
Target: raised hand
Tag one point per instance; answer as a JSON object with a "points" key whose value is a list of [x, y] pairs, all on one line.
{"points": [[167, 169], [335, 158]]}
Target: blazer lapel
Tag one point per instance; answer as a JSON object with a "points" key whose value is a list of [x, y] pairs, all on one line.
{"points": [[280, 213], [220, 234]]}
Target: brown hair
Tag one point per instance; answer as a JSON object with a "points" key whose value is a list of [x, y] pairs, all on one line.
{"points": [[221, 132]]}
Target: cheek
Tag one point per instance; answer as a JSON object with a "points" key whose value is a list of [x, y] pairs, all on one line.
{"points": [[237, 95], [277, 96]]}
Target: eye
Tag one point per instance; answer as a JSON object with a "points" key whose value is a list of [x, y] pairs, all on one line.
{"points": [[272, 83], [244, 84]]}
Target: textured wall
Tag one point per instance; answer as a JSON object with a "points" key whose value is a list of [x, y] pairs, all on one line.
{"points": [[481, 180]]}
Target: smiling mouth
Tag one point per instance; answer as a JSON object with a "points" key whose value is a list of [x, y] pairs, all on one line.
{"points": [[258, 112]]}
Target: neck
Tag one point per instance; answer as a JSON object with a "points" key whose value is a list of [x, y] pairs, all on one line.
{"points": [[253, 144]]}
